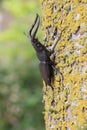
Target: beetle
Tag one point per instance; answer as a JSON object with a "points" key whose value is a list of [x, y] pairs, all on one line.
{"points": [[46, 64]]}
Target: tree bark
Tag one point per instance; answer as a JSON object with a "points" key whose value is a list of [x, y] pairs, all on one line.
{"points": [[65, 21]]}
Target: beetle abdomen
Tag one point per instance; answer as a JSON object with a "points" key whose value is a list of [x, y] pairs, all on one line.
{"points": [[46, 72]]}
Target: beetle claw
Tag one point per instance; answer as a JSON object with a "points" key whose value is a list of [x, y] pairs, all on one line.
{"points": [[36, 22]]}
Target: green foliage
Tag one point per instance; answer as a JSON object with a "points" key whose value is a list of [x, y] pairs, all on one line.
{"points": [[20, 82], [19, 8]]}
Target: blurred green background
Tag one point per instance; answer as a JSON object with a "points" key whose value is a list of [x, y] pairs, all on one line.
{"points": [[21, 105]]}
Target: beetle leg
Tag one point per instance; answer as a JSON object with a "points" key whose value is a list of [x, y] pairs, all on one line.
{"points": [[37, 20], [58, 73], [54, 45], [61, 77]]}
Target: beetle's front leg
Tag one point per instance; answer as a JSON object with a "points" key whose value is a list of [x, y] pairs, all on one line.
{"points": [[52, 49]]}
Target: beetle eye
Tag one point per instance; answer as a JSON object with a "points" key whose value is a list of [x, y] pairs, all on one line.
{"points": [[37, 45], [41, 48]]}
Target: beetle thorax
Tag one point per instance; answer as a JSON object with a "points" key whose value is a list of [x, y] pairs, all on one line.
{"points": [[42, 56]]}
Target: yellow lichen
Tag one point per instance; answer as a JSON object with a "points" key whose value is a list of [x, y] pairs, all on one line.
{"points": [[66, 104]]}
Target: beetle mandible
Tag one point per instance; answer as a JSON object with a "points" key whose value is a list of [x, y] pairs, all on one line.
{"points": [[43, 54]]}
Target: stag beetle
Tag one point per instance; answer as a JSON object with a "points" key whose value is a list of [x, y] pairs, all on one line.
{"points": [[43, 54]]}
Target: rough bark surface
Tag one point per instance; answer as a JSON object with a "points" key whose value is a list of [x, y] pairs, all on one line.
{"points": [[66, 105]]}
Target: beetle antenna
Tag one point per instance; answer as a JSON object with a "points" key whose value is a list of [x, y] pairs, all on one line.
{"points": [[25, 34]]}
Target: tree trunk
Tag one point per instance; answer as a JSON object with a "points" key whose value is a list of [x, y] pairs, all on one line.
{"points": [[66, 105]]}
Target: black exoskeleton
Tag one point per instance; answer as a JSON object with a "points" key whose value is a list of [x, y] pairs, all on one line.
{"points": [[46, 64]]}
